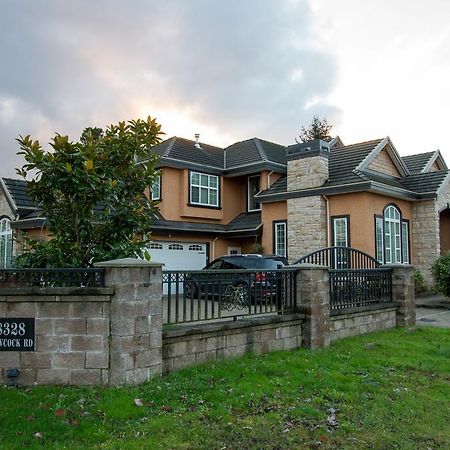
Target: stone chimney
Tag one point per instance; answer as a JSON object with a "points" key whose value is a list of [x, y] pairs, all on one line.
{"points": [[307, 164]]}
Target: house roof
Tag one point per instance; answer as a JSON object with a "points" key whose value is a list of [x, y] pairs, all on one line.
{"points": [[349, 171], [416, 163], [243, 157], [245, 224]]}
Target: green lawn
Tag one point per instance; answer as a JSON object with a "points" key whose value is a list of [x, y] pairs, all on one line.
{"points": [[389, 390]]}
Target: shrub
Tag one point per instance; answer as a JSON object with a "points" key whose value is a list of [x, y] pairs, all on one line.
{"points": [[441, 274], [419, 283]]}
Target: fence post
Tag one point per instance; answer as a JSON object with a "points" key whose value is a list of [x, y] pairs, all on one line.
{"points": [[403, 293], [135, 343], [313, 300]]}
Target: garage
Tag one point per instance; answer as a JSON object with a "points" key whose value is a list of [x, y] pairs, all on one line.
{"points": [[179, 255]]}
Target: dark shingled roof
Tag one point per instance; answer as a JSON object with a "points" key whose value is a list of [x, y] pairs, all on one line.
{"points": [[425, 182], [245, 221], [18, 189], [277, 188], [185, 150], [416, 163], [343, 161], [253, 151]]}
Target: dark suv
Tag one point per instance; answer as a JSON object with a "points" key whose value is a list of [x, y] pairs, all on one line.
{"points": [[251, 276]]}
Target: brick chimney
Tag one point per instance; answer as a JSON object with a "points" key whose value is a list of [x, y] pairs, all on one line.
{"points": [[307, 164]]}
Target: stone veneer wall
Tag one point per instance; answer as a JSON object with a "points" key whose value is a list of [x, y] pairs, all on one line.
{"points": [[425, 232], [108, 336], [383, 163], [307, 230], [304, 173], [362, 322], [5, 209], [186, 346], [425, 237], [71, 336]]}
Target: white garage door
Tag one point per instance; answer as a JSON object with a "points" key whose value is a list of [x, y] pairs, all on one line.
{"points": [[179, 255]]}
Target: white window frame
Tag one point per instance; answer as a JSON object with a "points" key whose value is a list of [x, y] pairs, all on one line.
{"points": [[277, 226], [379, 244], [234, 250], [6, 243], [202, 187], [405, 242], [392, 235], [156, 188], [335, 222]]}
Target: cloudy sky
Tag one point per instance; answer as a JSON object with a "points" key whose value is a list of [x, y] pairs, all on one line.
{"points": [[229, 70]]}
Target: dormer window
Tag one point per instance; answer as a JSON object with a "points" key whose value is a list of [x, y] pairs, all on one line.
{"points": [[253, 187]]}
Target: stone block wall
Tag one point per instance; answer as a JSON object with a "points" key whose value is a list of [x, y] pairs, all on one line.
{"points": [[186, 346], [108, 336], [304, 173], [425, 237], [307, 230], [71, 336], [362, 322]]}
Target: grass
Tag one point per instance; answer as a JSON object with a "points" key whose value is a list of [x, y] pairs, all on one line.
{"points": [[389, 390]]}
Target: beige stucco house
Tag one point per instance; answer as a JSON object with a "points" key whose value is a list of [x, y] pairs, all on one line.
{"points": [[288, 200]]}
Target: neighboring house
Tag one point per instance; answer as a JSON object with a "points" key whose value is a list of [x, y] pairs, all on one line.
{"points": [[289, 200]]}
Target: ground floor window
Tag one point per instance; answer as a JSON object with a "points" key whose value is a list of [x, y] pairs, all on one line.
{"points": [[280, 238], [6, 243], [391, 237]]}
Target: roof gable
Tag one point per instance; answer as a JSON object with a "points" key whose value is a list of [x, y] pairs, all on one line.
{"points": [[387, 146], [383, 163]]}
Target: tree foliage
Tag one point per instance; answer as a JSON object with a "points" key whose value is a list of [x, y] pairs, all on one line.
{"points": [[91, 194], [317, 129], [441, 274]]}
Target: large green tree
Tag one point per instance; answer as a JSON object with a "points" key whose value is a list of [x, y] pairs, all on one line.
{"points": [[317, 129], [91, 194]]}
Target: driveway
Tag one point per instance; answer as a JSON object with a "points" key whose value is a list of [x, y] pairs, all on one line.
{"points": [[433, 311]]}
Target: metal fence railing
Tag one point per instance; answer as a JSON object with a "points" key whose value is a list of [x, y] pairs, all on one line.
{"points": [[359, 287], [201, 295], [70, 277]]}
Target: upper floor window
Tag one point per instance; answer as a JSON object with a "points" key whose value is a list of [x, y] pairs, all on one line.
{"points": [[253, 187], [204, 189], [6, 243], [156, 188]]}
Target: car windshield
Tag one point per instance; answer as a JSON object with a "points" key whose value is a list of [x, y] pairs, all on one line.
{"points": [[261, 263]]}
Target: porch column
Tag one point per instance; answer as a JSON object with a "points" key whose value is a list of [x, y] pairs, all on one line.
{"points": [[313, 299]]}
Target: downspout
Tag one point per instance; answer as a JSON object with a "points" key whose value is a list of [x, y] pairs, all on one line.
{"points": [[328, 220], [213, 248]]}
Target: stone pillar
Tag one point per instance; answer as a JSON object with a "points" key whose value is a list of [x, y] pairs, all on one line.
{"points": [[135, 344], [403, 294], [313, 299]]}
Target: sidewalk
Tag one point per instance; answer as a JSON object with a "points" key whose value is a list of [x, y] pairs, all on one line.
{"points": [[433, 301]]}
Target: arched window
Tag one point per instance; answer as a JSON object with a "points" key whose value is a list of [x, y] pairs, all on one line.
{"points": [[392, 237], [6, 243]]}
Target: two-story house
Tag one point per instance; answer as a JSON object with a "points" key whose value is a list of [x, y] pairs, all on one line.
{"points": [[288, 200]]}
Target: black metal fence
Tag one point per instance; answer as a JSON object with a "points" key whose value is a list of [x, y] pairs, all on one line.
{"points": [[72, 277], [216, 294], [359, 288], [340, 258]]}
